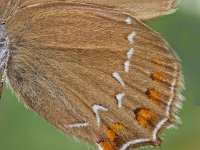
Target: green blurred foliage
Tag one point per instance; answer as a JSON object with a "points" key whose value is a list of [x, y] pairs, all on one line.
{"points": [[21, 129]]}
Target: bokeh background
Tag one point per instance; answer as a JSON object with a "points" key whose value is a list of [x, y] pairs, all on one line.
{"points": [[21, 129]]}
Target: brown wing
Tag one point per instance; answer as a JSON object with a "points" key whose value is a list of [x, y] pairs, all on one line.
{"points": [[97, 74], [141, 9]]}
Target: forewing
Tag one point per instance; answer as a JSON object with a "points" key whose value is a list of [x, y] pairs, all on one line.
{"points": [[94, 73], [141, 9]]}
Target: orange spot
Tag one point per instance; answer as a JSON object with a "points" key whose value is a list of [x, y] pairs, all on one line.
{"points": [[117, 127], [111, 135], [106, 146], [114, 129], [153, 96], [144, 117], [157, 61], [157, 76]]}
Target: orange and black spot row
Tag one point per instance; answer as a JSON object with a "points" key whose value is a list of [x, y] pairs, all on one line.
{"points": [[144, 117], [106, 145], [158, 77], [157, 61], [153, 95], [113, 130]]}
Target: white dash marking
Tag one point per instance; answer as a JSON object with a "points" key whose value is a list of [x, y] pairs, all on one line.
{"points": [[128, 20], [96, 109], [79, 125], [119, 98], [171, 97], [131, 37], [159, 125], [118, 78], [130, 53], [125, 146], [127, 65]]}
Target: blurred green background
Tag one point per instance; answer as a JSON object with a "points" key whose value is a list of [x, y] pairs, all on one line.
{"points": [[21, 129]]}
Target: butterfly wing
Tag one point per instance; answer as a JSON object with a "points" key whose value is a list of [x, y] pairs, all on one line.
{"points": [[97, 74], [141, 9]]}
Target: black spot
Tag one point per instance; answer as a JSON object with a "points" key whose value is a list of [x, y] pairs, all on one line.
{"points": [[2, 40], [1, 44]]}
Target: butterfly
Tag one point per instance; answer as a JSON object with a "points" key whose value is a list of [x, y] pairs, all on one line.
{"points": [[93, 69]]}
